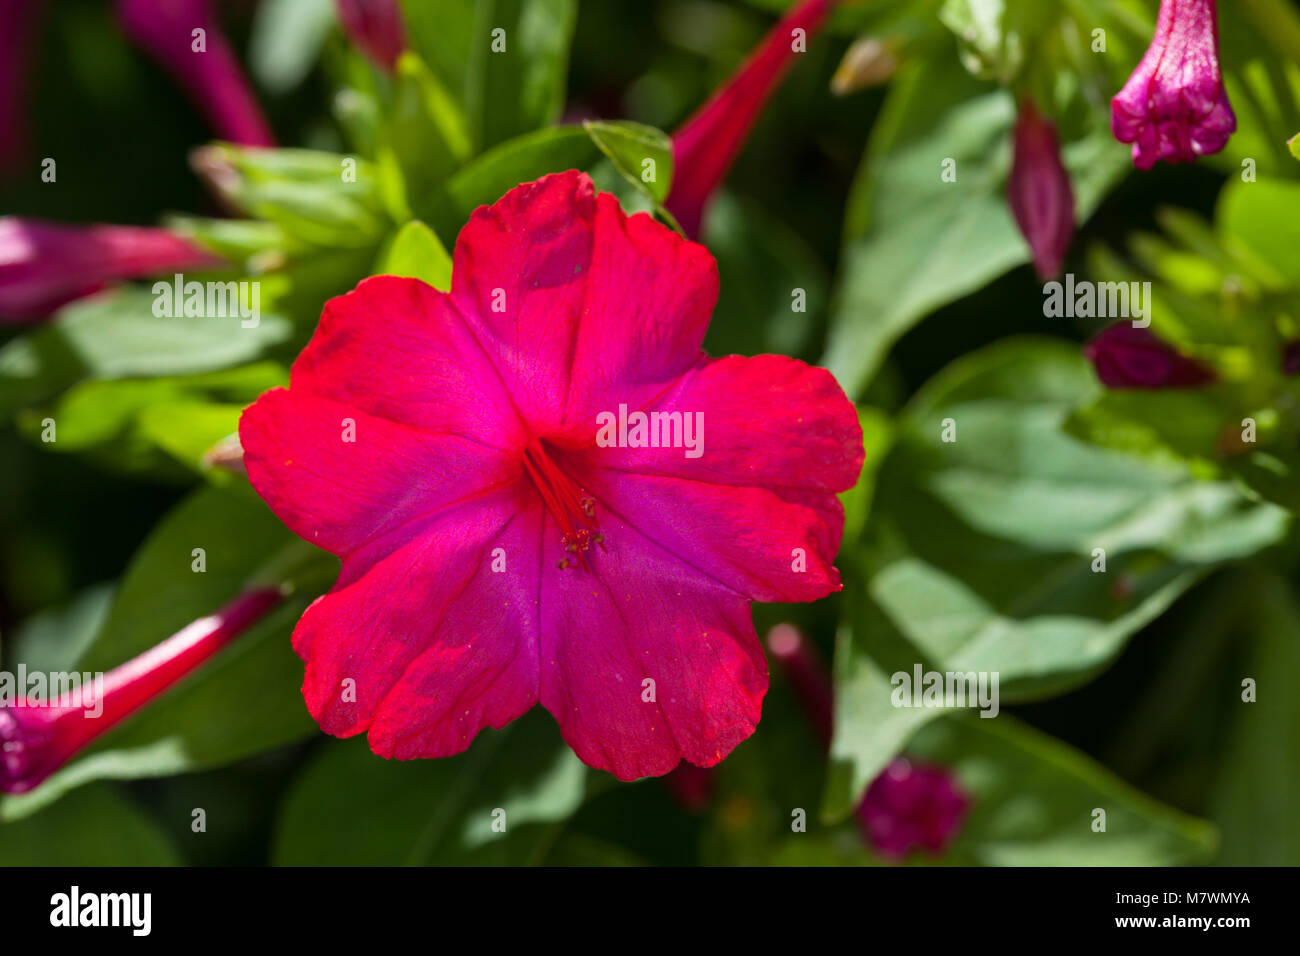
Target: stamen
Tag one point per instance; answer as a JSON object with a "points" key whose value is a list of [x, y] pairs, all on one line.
{"points": [[572, 508]]}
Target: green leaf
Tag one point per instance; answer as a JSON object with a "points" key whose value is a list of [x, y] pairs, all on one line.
{"points": [[128, 422], [425, 136], [1034, 503], [116, 335], [417, 252], [1261, 217], [913, 242], [1257, 784], [1293, 144], [326, 199], [773, 287], [54, 639], [96, 826], [1033, 801], [243, 701], [434, 811], [521, 88], [637, 152]]}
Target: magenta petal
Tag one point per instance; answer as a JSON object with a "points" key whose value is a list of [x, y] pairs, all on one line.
{"points": [[574, 300], [341, 478], [211, 77], [398, 349], [645, 614], [427, 643]]}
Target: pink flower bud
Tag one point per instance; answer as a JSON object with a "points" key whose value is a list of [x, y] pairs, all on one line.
{"points": [[1129, 357], [44, 265], [707, 144], [912, 806], [1039, 192], [1174, 106]]}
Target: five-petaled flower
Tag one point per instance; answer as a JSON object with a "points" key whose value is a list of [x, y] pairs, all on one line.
{"points": [[494, 556], [1174, 106]]}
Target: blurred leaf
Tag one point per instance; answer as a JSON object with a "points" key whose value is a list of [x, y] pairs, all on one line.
{"points": [[1261, 217], [997, 35], [1257, 785], [773, 287], [425, 136], [116, 335], [440, 811], [326, 199], [1033, 504], [1032, 803], [521, 88], [417, 252], [913, 242], [286, 39], [243, 701], [55, 638], [96, 826]]}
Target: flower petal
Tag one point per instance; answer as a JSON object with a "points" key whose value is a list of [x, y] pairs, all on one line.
{"points": [[396, 348], [575, 300], [643, 613], [340, 485], [438, 644]]}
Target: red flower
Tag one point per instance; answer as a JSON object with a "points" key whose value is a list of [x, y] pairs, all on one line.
{"points": [[44, 265], [377, 27], [1039, 191], [911, 806], [211, 76], [707, 144], [1129, 357], [495, 553], [1174, 106]]}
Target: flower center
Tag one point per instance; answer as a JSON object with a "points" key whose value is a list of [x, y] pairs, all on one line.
{"points": [[572, 508]]}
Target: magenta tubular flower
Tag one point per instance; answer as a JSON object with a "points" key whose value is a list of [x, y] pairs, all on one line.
{"points": [[1039, 192], [36, 740], [1129, 357], [44, 265], [1174, 106], [912, 806], [504, 542], [707, 144], [212, 78], [376, 26]]}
